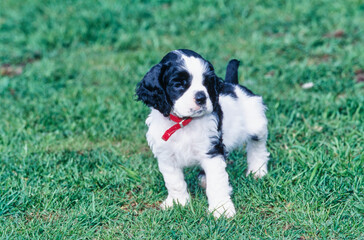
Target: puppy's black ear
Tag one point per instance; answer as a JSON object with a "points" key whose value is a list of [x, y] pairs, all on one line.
{"points": [[151, 92]]}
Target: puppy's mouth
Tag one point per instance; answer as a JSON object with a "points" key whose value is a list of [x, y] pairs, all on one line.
{"points": [[200, 111], [193, 112]]}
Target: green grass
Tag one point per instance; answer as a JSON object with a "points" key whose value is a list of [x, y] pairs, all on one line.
{"points": [[74, 162]]}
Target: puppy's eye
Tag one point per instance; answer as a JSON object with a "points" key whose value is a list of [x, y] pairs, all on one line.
{"points": [[183, 82], [180, 83]]}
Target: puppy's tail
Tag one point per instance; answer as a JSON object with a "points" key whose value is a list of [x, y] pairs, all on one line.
{"points": [[232, 72]]}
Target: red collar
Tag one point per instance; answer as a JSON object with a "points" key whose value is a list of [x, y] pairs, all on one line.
{"points": [[181, 122]]}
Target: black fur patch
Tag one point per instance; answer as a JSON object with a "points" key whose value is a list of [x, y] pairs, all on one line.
{"points": [[254, 138], [211, 82], [217, 146], [176, 81], [247, 91], [228, 89]]}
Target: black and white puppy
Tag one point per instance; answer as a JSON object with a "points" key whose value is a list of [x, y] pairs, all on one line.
{"points": [[196, 119]]}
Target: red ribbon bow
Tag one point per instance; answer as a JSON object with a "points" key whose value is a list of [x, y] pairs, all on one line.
{"points": [[181, 122]]}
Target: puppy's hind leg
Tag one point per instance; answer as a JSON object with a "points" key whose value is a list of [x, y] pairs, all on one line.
{"points": [[258, 156], [202, 179]]}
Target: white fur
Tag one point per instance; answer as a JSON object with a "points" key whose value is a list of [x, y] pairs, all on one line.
{"points": [[243, 117]]}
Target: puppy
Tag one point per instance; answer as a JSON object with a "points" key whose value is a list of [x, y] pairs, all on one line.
{"points": [[196, 119]]}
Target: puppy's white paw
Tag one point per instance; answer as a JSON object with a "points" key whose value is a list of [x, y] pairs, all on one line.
{"points": [[170, 201], [257, 173], [225, 209]]}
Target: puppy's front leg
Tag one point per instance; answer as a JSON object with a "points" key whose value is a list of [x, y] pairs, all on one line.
{"points": [[217, 187], [175, 184]]}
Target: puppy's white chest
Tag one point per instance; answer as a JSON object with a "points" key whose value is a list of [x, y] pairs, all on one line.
{"points": [[188, 145]]}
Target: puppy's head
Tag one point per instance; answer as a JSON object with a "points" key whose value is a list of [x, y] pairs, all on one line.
{"points": [[183, 83]]}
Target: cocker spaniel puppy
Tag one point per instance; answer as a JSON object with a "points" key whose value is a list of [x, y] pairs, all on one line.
{"points": [[196, 119]]}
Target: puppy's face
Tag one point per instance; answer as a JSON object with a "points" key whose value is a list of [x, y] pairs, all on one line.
{"points": [[183, 83]]}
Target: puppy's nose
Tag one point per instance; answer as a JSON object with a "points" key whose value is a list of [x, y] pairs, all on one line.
{"points": [[200, 98]]}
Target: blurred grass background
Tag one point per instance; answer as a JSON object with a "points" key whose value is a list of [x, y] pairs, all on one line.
{"points": [[74, 162]]}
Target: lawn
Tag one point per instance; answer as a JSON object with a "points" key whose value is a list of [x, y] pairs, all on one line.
{"points": [[74, 162]]}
